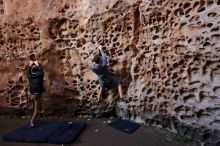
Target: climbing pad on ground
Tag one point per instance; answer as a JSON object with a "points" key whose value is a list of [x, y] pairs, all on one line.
{"points": [[124, 126], [59, 132]]}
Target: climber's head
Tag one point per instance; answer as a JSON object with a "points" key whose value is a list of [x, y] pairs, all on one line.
{"points": [[34, 68], [32, 57], [96, 59]]}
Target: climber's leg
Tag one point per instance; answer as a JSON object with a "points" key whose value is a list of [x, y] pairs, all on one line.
{"points": [[120, 91], [100, 93]]}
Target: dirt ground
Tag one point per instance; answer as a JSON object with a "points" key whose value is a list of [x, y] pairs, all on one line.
{"points": [[97, 133]]}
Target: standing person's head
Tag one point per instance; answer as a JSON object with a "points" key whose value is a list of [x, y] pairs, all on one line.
{"points": [[34, 64], [32, 57], [34, 68], [104, 48]]}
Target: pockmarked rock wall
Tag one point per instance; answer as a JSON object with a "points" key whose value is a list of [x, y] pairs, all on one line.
{"points": [[166, 54]]}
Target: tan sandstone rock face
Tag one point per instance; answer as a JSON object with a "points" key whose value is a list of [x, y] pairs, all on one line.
{"points": [[166, 54]]}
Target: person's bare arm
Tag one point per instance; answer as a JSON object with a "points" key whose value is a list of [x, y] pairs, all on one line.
{"points": [[104, 58]]}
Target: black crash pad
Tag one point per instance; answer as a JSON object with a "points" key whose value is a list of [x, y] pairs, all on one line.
{"points": [[60, 132], [124, 126]]}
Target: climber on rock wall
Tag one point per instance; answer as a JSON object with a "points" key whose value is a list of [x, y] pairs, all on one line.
{"points": [[35, 77], [100, 68]]}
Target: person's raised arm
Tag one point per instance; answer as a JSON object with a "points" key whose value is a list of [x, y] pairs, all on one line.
{"points": [[104, 58], [41, 70], [28, 72]]}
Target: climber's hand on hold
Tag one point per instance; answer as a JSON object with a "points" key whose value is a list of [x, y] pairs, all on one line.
{"points": [[30, 63], [100, 48], [33, 62]]}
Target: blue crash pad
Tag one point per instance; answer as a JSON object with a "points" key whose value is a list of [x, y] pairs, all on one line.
{"points": [[67, 133], [124, 126], [44, 131]]}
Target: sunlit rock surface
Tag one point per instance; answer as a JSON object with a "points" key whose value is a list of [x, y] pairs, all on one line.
{"points": [[166, 54]]}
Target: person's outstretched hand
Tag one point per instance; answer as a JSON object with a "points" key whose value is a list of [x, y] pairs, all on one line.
{"points": [[100, 48], [30, 63], [34, 62]]}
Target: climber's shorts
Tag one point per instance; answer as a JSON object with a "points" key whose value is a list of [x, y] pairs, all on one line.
{"points": [[110, 82]]}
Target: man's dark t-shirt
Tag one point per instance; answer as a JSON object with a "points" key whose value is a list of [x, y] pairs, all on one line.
{"points": [[35, 80]]}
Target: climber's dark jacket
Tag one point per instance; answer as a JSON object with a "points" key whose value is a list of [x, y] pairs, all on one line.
{"points": [[35, 80]]}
